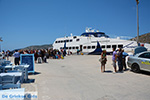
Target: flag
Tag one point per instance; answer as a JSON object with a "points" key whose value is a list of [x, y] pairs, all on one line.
{"points": [[137, 1]]}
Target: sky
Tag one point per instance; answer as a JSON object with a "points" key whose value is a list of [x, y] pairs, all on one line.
{"points": [[36, 22]]}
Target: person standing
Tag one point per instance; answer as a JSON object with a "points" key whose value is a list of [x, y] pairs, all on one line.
{"points": [[120, 60], [7, 54], [124, 54], [3, 54], [114, 59], [17, 57], [103, 60]]}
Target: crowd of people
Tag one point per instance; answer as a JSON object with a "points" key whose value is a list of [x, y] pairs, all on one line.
{"points": [[40, 55], [117, 56]]}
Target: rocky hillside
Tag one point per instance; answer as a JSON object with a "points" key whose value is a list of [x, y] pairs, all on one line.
{"points": [[145, 38], [38, 47]]}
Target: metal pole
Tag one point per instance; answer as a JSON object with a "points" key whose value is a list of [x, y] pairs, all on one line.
{"points": [[137, 23]]}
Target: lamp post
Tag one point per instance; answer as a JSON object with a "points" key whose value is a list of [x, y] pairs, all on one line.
{"points": [[137, 2], [0, 44]]}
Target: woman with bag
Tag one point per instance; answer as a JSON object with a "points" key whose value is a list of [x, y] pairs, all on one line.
{"points": [[103, 60]]}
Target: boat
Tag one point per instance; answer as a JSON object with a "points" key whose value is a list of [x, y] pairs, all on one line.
{"points": [[93, 42]]}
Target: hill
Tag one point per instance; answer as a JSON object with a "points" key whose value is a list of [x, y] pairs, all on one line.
{"points": [[145, 38], [46, 46]]}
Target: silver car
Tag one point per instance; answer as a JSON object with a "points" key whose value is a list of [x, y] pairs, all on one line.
{"points": [[139, 61]]}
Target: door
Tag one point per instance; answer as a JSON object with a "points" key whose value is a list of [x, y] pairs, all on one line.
{"points": [[145, 60]]}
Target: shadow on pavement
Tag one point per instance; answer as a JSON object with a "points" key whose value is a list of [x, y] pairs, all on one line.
{"points": [[142, 73], [108, 71], [35, 73]]}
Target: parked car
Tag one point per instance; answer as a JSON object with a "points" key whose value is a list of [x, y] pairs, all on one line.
{"points": [[140, 61]]}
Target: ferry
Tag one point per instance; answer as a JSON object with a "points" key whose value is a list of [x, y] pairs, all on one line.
{"points": [[93, 42]]}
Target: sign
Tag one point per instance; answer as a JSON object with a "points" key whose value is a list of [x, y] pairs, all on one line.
{"points": [[29, 60]]}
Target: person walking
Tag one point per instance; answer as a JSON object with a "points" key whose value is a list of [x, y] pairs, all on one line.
{"points": [[120, 60], [114, 59], [103, 60], [17, 57]]}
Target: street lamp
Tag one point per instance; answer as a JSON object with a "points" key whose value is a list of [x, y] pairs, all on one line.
{"points": [[0, 44], [137, 2]]}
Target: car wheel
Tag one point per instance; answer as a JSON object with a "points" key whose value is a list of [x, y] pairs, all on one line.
{"points": [[135, 68]]}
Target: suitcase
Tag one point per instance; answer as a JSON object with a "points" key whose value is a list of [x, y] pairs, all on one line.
{"points": [[45, 59], [39, 60]]}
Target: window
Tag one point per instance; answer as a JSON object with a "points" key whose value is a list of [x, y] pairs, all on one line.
{"points": [[108, 46], [84, 47], [66, 47], [114, 46], [77, 47], [56, 41], [120, 46], [70, 40], [93, 47], [77, 39], [74, 37], [103, 46], [145, 55], [67, 40], [73, 47], [89, 47], [64, 40], [60, 48], [61, 41], [69, 47]]}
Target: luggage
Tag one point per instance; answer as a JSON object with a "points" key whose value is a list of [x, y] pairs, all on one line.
{"points": [[56, 57], [39, 60], [62, 57]]}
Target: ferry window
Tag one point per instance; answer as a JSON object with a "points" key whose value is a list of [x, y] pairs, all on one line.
{"points": [[93, 47], [103, 46], [114, 46], [120, 46], [108, 46], [60, 47], [84, 47], [58, 41], [61, 41], [70, 40], [78, 40], [77, 47], [74, 37], [73, 47], [89, 47], [55, 41], [67, 40], [69, 47], [64, 40]]}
